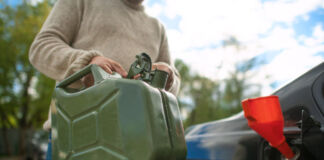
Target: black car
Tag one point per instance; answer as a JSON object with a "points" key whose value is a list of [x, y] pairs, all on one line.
{"points": [[302, 104]]}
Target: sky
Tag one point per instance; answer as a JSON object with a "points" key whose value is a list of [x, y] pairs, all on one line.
{"points": [[287, 36]]}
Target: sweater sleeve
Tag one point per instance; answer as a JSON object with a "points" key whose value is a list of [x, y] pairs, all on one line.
{"points": [[164, 56], [51, 52]]}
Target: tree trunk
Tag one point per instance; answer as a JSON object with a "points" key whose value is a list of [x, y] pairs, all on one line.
{"points": [[210, 112], [24, 111], [22, 141], [6, 141], [5, 122], [192, 117]]}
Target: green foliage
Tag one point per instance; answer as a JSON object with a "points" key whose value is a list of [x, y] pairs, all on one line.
{"points": [[19, 105], [24, 93], [40, 105], [207, 100]]}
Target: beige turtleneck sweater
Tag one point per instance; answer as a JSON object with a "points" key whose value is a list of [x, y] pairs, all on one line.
{"points": [[77, 30]]}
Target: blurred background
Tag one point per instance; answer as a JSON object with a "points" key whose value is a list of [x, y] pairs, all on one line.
{"points": [[225, 51]]}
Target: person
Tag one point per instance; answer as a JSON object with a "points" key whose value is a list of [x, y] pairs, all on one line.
{"points": [[109, 33]]}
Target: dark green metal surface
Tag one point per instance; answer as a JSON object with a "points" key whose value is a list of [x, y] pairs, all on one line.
{"points": [[115, 119]]}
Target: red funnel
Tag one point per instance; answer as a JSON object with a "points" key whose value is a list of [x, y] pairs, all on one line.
{"points": [[265, 117]]}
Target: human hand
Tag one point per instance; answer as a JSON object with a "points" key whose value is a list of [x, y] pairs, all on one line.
{"points": [[107, 65], [165, 68]]}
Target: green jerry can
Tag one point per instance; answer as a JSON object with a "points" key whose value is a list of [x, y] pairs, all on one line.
{"points": [[117, 118]]}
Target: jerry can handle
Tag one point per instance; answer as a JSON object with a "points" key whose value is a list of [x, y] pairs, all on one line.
{"points": [[98, 75]]}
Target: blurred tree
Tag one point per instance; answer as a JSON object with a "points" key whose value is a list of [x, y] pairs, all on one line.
{"points": [[6, 83], [238, 87], [185, 82], [202, 93], [24, 93], [212, 100]]}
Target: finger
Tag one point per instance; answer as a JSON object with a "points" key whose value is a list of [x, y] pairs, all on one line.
{"points": [[119, 69], [107, 69], [154, 67], [88, 80], [163, 68], [137, 76], [169, 83]]}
